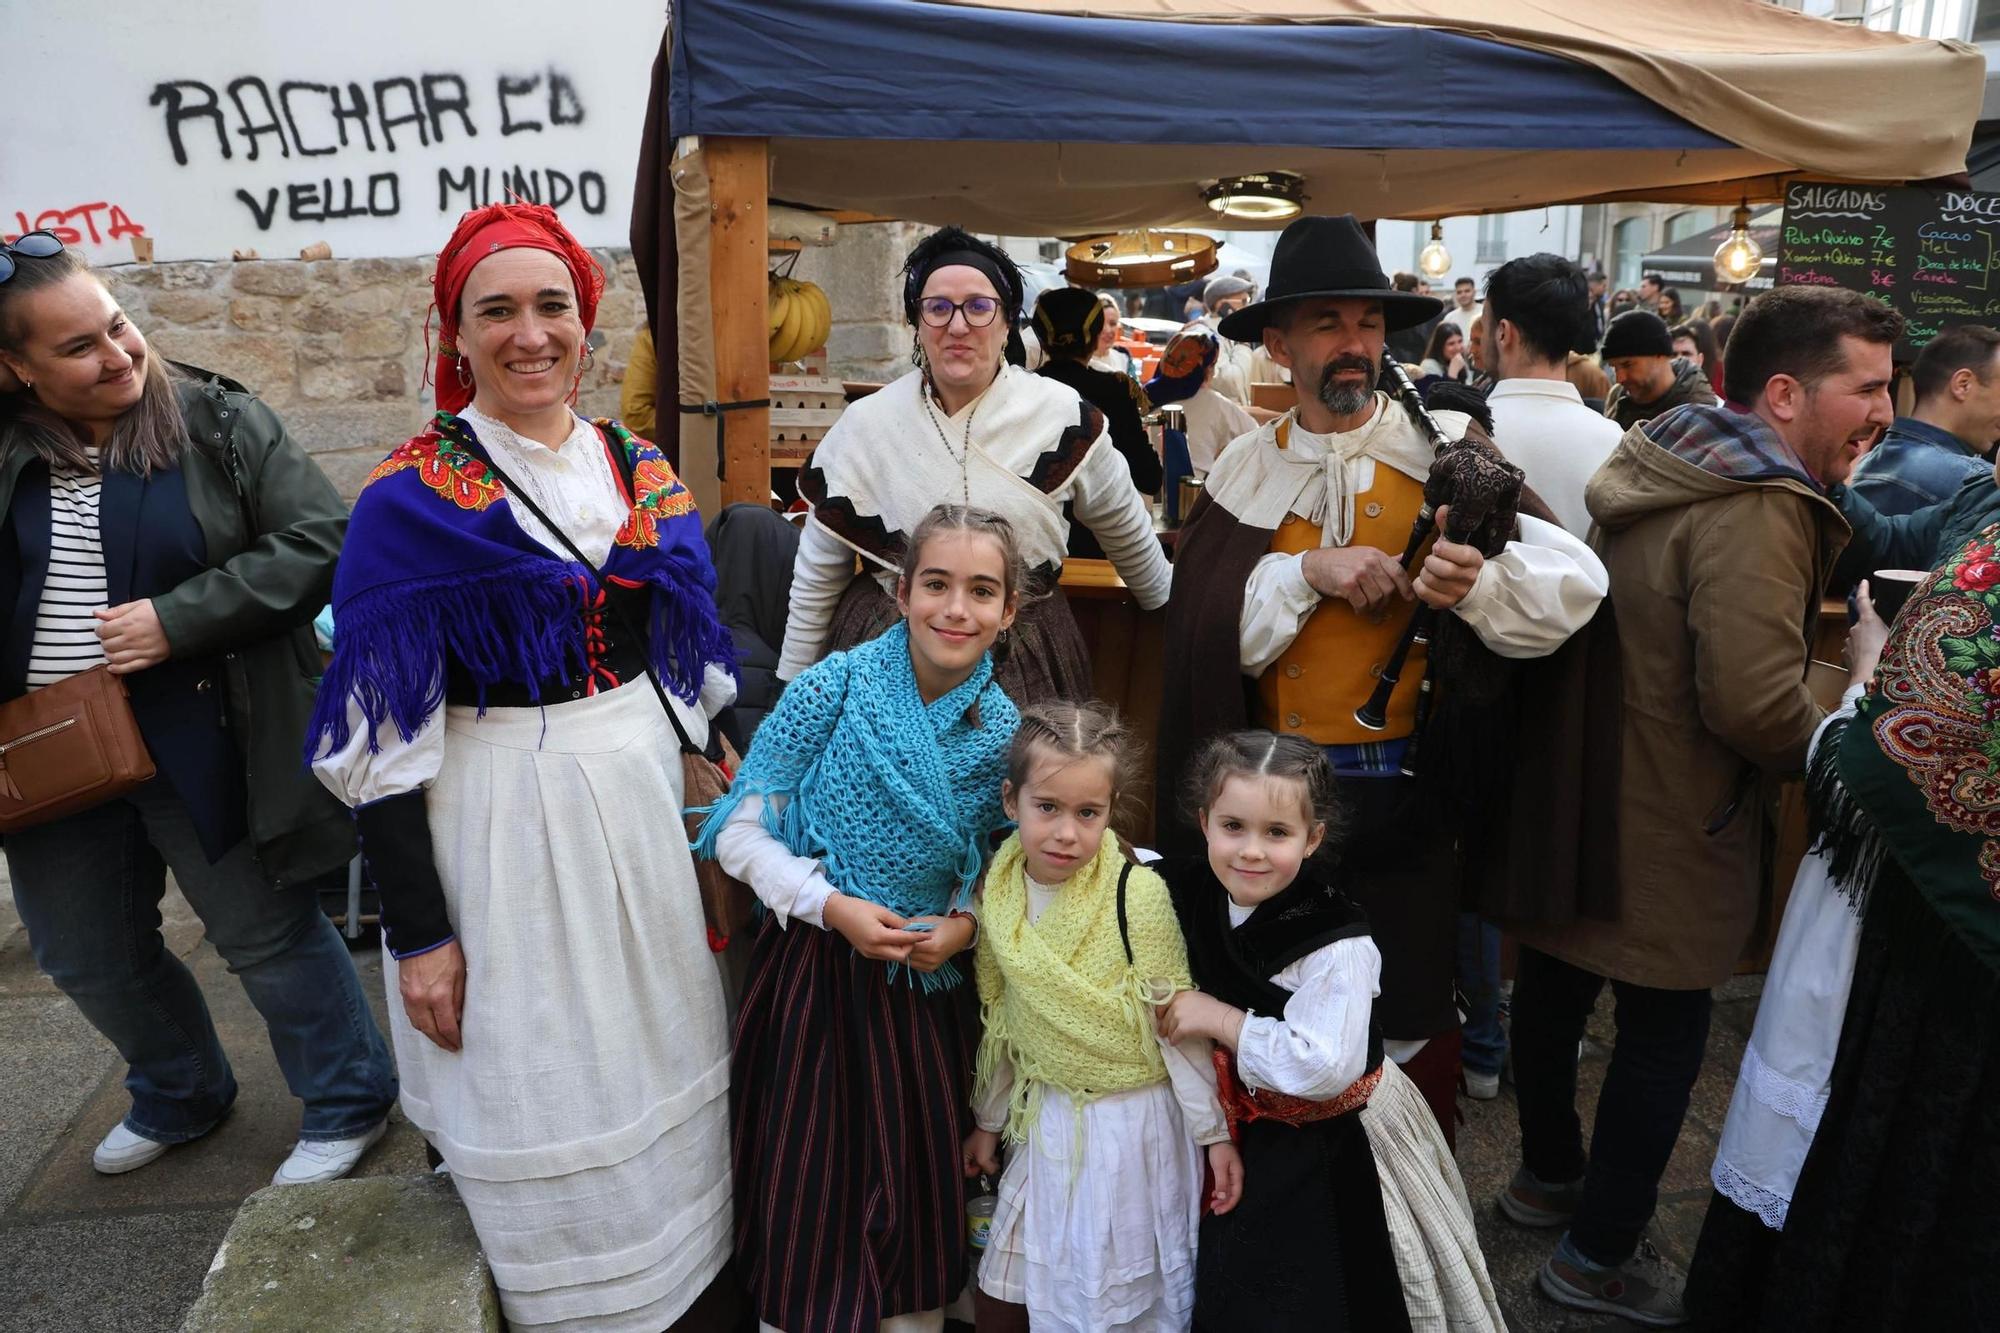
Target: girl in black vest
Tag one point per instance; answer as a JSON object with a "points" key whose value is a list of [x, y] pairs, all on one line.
{"points": [[1353, 1215]]}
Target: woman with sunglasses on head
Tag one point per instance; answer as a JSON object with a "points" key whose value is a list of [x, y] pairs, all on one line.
{"points": [[968, 426], [525, 625], [164, 525]]}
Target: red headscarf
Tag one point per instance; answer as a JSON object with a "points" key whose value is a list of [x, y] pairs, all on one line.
{"points": [[479, 234]]}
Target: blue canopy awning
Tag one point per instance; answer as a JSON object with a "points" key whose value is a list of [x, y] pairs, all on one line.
{"points": [[906, 70]]}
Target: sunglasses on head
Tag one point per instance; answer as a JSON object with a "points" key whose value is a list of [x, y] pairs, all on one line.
{"points": [[34, 245]]}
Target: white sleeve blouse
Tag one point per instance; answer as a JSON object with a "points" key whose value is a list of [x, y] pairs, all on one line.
{"points": [[1104, 500], [358, 774], [821, 572], [1319, 1045]]}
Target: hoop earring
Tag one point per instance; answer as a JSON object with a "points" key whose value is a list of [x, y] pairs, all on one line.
{"points": [[588, 352], [464, 375]]}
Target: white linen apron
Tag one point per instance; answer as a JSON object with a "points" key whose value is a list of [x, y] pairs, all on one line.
{"points": [[586, 1119]]}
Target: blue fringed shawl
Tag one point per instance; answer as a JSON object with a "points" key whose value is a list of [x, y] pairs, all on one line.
{"points": [[435, 569], [895, 798]]}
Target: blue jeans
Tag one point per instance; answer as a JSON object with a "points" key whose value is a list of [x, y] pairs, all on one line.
{"points": [[1485, 1049], [88, 888]]}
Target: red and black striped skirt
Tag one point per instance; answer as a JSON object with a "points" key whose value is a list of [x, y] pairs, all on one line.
{"points": [[848, 1096]]}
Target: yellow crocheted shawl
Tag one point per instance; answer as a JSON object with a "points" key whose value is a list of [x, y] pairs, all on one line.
{"points": [[1057, 996]]}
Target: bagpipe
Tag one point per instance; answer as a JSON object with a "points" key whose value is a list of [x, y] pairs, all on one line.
{"points": [[1481, 492]]}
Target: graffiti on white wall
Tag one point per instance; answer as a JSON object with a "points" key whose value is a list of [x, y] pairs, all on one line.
{"points": [[257, 127]]}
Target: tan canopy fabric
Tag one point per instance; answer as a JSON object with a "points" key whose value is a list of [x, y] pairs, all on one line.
{"points": [[1797, 95], [1828, 98]]}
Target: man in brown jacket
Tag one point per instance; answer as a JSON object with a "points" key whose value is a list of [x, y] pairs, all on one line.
{"points": [[1718, 535]]}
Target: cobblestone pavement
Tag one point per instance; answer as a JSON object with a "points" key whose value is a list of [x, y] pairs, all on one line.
{"points": [[83, 1253]]}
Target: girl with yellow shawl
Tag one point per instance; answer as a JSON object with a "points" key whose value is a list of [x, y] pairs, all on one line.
{"points": [[1107, 1124]]}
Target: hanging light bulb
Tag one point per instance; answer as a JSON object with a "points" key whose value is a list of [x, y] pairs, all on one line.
{"points": [[1435, 261], [1739, 257]]}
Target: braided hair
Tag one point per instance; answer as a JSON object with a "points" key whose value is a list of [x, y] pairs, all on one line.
{"points": [[1264, 754], [1071, 732]]}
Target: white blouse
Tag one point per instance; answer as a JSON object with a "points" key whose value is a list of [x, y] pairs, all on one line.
{"points": [[573, 483], [1319, 1046], [792, 886], [1190, 1070]]}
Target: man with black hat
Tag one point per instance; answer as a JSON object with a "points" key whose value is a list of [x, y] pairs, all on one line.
{"points": [[1640, 351], [1289, 599]]}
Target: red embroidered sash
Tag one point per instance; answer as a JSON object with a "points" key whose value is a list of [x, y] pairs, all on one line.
{"points": [[1243, 1104]]}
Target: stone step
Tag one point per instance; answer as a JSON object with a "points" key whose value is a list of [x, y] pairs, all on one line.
{"points": [[388, 1253]]}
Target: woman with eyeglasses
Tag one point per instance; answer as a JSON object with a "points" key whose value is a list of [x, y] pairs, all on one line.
{"points": [[968, 426], [163, 524]]}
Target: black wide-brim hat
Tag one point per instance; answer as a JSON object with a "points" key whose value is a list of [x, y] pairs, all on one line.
{"points": [[1327, 257]]}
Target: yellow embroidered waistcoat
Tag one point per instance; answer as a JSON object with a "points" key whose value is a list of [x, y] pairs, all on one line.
{"points": [[1330, 670]]}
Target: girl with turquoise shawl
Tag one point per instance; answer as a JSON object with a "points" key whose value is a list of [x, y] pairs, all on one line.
{"points": [[861, 819]]}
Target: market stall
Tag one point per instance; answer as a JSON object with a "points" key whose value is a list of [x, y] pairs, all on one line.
{"points": [[1014, 116]]}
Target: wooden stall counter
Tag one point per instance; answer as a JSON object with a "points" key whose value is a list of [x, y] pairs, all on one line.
{"points": [[1127, 660]]}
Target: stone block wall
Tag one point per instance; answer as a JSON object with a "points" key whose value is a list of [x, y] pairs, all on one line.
{"points": [[336, 346], [863, 279]]}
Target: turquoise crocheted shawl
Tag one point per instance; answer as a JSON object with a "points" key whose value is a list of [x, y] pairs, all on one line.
{"points": [[894, 797]]}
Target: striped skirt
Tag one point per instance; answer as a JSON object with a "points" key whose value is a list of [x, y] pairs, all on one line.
{"points": [[849, 1094]]}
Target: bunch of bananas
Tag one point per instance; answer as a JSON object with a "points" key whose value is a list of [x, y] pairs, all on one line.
{"points": [[800, 318]]}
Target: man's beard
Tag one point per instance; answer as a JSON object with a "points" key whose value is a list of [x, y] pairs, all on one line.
{"points": [[1344, 400]]}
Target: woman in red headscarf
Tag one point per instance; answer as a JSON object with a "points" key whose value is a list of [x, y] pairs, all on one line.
{"points": [[523, 597]]}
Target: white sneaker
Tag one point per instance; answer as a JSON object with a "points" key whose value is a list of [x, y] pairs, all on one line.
{"points": [[315, 1161], [123, 1150], [1481, 1087]]}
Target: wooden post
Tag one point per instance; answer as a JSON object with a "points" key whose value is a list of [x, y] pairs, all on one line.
{"points": [[738, 233]]}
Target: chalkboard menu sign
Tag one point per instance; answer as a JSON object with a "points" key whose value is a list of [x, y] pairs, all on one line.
{"points": [[1931, 254]]}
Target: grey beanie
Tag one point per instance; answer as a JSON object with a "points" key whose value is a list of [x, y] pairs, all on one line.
{"points": [[1223, 287], [1637, 333]]}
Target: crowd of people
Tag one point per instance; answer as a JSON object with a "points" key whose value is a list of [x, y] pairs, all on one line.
{"points": [[1209, 1056]]}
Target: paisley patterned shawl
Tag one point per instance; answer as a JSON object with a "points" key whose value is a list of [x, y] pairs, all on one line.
{"points": [[435, 567], [893, 796], [1922, 761]]}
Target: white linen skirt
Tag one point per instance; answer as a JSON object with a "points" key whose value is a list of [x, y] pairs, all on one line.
{"points": [[586, 1119], [1095, 1225], [1787, 1072], [1431, 1232]]}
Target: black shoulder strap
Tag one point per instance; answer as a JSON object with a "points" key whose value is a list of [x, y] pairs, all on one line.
{"points": [[527, 502], [1124, 935]]}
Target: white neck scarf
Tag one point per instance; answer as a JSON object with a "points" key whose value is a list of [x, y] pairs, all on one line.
{"points": [[1314, 476]]}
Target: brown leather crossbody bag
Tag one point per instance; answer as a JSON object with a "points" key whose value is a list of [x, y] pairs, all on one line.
{"points": [[68, 747]]}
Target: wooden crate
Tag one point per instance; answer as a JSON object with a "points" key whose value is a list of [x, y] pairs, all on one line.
{"points": [[803, 407]]}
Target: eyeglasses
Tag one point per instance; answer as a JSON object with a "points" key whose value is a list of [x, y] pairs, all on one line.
{"points": [[34, 244], [979, 311]]}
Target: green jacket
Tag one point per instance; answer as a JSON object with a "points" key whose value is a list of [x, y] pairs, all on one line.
{"points": [[273, 526]]}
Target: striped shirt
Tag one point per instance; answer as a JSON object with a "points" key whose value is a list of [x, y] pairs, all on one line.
{"points": [[66, 639]]}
